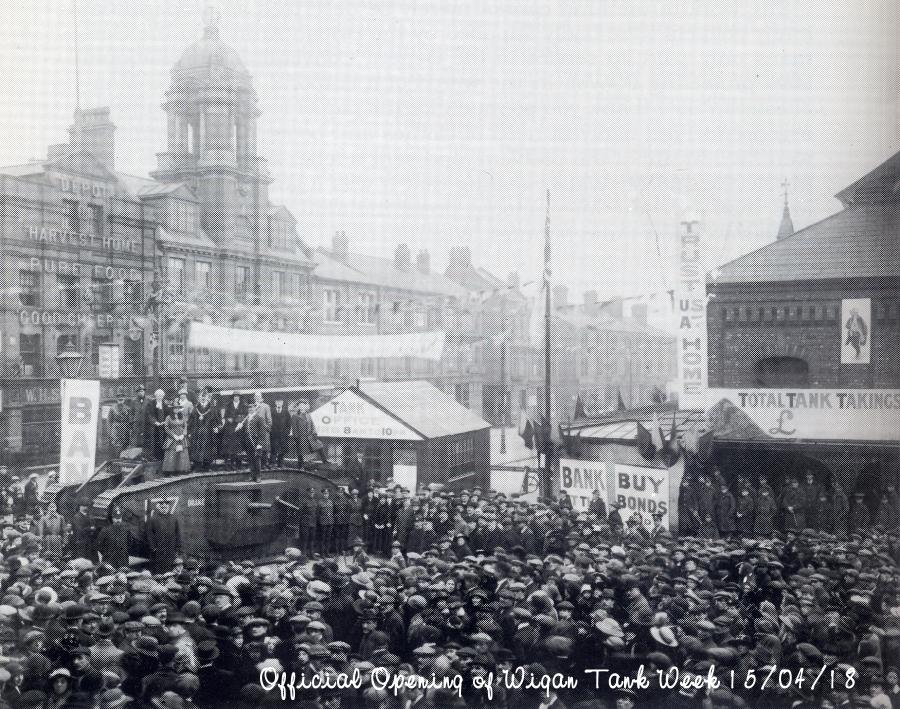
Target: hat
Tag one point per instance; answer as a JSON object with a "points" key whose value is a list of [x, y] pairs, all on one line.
{"points": [[207, 651], [664, 635], [146, 645], [113, 699], [168, 700]]}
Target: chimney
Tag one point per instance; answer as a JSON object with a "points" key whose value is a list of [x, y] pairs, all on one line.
{"points": [[340, 245], [402, 258], [560, 297], [460, 256], [93, 132], [639, 313], [423, 262], [512, 280], [613, 308]]}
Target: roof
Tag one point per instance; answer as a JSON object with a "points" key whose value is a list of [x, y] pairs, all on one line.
{"points": [[423, 407], [29, 168], [199, 240], [879, 184], [786, 228], [604, 321], [135, 185], [472, 278], [378, 271], [859, 242], [622, 425]]}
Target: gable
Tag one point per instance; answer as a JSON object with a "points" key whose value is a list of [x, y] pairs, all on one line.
{"points": [[81, 164]]}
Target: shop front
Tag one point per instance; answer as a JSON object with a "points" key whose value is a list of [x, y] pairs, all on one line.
{"points": [[408, 433]]}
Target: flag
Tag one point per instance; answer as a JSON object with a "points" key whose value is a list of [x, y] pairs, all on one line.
{"points": [[704, 446], [579, 408], [527, 434], [656, 434], [645, 442], [621, 401], [658, 396], [671, 450]]}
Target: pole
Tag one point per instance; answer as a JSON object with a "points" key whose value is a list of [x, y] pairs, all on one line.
{"points": [[548, 444], [502, 408]]}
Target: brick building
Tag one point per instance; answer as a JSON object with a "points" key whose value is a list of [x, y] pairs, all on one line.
{"points": [[779, 321]]}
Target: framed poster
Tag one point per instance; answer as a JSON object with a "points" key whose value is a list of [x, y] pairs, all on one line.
{"points": [[856, 330]]}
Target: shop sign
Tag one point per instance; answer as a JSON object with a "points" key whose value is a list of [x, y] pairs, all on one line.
{"points": [[74, 268], [642, 491], [66, 237], [581, 477], [350, 416], [816, 414], [72, 318], [85, 188]]}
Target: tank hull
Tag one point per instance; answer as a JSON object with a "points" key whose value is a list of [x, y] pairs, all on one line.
{"points": [[223, 515]]}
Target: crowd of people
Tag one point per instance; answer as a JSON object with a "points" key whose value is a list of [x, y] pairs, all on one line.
{"points": [[191, 430], [431, 599]]}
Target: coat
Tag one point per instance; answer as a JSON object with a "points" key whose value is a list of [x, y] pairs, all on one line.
{"points": [[744, 514], [114, 542], [82, 536], [176, 458], [258, 427], [233, 439], [354, 512], [120, 416], [281, 429], [793, 508], [164, 540], [304, 432], [764, 513], [154, 435], [137, 421], [726, 521], [840, 507], [202, 429], [326, 512], [309, 512]]}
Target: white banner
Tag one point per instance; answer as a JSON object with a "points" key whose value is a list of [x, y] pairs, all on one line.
{"points": [[690, 314], [856, 330], [641, 491], [406, 475], [424, 345], [825, 414], [581, 477], [78, 439]]}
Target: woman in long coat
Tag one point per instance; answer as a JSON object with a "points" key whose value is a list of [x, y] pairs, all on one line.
{"points": [[203, 426], [52, 531], [176, 458], [232, 437], [155, 412]]}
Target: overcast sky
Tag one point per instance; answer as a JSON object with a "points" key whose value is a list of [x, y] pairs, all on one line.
{"points": [[444, 122]]}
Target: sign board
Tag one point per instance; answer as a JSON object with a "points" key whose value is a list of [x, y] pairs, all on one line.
{"points": [[109, 361], [818, 414], [350, 416], [856, 330], [581, 477], [690, 318], [641, 491], [78, 430]]}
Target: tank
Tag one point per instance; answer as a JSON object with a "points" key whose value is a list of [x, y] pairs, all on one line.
{"points": [[224, 515]]}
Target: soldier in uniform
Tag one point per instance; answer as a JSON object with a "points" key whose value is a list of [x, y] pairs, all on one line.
{"points": [[744, 512], [281, 430], [765, 511], [341, 520], [355, 522], [114, 541], [793, 507], [137, 417], [688, 513], [307, 519], [706, 509], [860, 516], [82, 539], [658, 530], [326, 523], [726, 510], [810, 489], [616, 525], [120, 423], [840, 507]]}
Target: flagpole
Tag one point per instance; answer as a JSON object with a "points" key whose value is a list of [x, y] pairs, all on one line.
{"points": [[548, 444]]}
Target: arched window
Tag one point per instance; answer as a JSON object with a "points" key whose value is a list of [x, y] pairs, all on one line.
{"points": [[781, 372]]}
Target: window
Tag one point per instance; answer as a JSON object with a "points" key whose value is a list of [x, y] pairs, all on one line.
{"points": [[203, 270], [278, 235], [29, 288], [367, 367], [132, 292], [367, 308], [30, 354], [40, 428], [331, 303], [298, 287], [70, 215], [177, 276], [96, 219], [334, 368], [420, 319], [241, 276], [175, 360], [183, 217], [202, 360], [461, 394], [102, 290], [69, 296], [132, 355], [781, 372], [278, 291]]}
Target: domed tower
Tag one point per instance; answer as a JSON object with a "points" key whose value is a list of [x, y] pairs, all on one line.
{"points": [[212, 114]]}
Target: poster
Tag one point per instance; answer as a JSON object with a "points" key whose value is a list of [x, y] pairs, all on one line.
{"points": [[581, 477], [856, 330], [406, 475], [348, 415], [78, 439], [641, 491], [690, 318]]}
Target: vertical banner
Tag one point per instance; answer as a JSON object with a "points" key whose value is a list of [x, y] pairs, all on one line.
{"points": [[641, 491], [690, 314], [856, 330], [78, 439], [109, 361]]}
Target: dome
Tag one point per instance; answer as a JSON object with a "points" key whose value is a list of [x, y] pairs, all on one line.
{"points": [[210, 51]]}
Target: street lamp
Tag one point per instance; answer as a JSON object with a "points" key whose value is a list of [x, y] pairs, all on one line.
{"points": [[69, 361]]}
